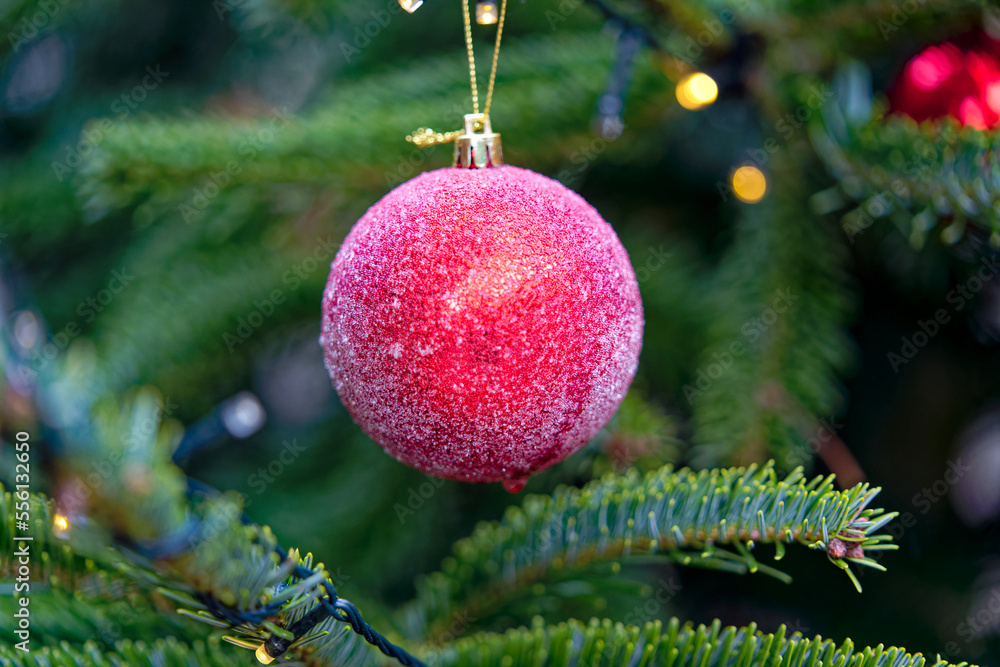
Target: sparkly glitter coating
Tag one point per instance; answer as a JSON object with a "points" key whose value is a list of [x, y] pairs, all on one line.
{"points": [[481, 324]]}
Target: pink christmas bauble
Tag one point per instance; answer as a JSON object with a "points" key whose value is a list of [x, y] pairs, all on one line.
{"points": [[482, 324], [960, 78]]}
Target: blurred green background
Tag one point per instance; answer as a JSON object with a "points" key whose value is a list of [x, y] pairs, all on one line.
{"points": [[213, 153]]}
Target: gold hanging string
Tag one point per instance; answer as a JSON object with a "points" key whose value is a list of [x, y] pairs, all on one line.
{"points": [[427, 137], [472, 54], [496, 57]]}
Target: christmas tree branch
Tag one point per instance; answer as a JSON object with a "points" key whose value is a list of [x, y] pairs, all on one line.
{"points": [[203, 323], [353, 142], [132, 653], [920, 175], [686, 517], [90, 601], [87, 596], [212, 186], [769, 368], [612, 644], [198, 553], [56, 559]]}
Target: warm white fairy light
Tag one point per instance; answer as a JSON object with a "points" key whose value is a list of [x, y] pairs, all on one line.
{"points": [[696, 91], [261, 654], [487, 12], [60, 525], [749, 184]]}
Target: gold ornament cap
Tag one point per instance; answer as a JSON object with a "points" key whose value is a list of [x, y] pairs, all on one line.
{"points": [[478, 150]]}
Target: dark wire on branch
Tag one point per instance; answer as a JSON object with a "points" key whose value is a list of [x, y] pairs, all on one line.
{"points": [[627, 23], [330, 603]]}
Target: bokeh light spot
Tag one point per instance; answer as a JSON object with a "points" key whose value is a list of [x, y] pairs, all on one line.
{"points": [[749, 184], [696, 91]]}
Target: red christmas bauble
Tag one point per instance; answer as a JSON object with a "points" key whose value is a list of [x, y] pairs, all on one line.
{"points": [[482, 324], [960, 79]]}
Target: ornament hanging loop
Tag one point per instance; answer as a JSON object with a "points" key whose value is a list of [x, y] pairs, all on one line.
{"points": [[478, 149], [474, 150]]}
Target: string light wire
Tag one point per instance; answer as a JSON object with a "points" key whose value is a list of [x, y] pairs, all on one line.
{"points": [[330, 603]]}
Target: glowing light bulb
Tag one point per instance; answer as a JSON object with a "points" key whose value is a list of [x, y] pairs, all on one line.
{"points": [[243, 415], [696, 91], [261, 654], [486, 12], [60, 525], [749, 184], [411, 5]]}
